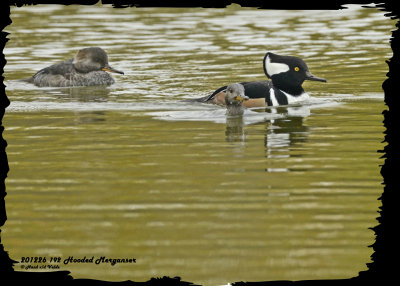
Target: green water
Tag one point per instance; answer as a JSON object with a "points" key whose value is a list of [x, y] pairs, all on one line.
{"points": [[132, 171]]}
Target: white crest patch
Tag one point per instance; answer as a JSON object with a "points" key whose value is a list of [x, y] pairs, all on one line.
{"points": [[275, 68]]}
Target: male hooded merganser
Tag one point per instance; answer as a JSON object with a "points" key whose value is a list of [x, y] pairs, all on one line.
{"points": [[87, 68], [286, 74], [234, 99]]}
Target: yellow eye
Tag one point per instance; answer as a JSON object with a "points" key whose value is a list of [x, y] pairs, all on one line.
{"points": [[297, 69]]}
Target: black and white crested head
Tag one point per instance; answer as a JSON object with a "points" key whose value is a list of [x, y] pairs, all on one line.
{"points": [[234, 98], [287, 72], [274, 64]]}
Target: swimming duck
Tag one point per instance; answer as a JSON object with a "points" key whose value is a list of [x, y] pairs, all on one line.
{"points": [[286, 74], [88, 67], [234, 98]]}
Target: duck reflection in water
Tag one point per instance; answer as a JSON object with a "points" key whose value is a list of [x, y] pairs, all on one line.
{"points": [[234, 99], [88, 94], [283, 133], [89, 67]]}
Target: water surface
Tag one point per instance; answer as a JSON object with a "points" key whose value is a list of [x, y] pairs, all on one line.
{"points": [[132, 170]]}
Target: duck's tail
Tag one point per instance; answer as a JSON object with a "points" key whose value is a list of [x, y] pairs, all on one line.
{"points": [[201, 99], [28, 80], [207, 97]]}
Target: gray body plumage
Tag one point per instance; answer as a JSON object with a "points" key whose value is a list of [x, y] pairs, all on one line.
{"points": [[234, 110], [87, 68], [234, 98], [72, 78]]}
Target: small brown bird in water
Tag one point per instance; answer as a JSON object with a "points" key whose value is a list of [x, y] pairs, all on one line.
{"points": [[234, 99], [89, 67]]}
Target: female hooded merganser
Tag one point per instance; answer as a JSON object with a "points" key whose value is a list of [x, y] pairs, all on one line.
{"points": [[234, 99], [87, 68], [286, 74]]}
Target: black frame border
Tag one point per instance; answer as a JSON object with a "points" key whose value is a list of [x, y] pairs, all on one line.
{"points": [[383, 266]]}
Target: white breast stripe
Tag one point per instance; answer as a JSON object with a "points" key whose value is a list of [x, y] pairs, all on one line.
{"points": [[273, 98], [292, 99], [275, 68]]}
